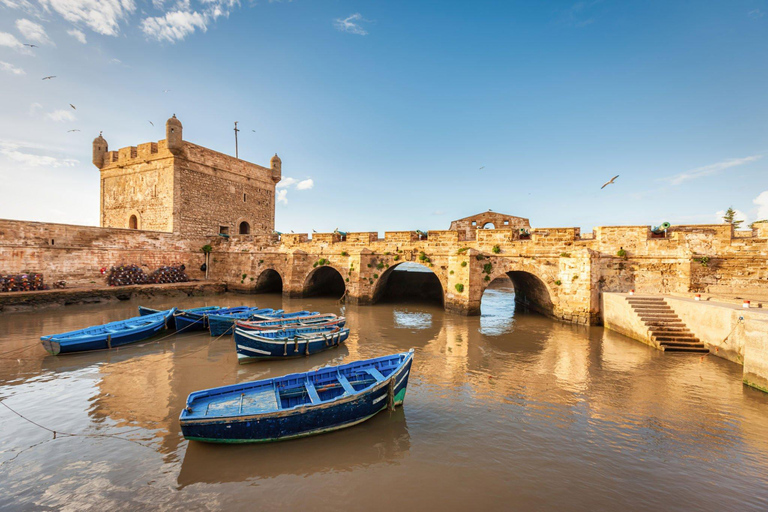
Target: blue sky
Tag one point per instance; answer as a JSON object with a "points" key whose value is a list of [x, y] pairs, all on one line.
{"points": [[404, 115]]}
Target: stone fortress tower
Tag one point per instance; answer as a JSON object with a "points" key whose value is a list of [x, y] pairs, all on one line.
{"points": [[175, 186]]}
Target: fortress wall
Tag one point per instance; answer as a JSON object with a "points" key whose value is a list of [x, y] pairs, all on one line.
{"points": [[76, 254]]}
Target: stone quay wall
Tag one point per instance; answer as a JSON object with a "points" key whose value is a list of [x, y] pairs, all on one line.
{"points": [[76, 254]]}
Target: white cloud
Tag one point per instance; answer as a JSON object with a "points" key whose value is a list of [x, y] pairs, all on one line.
{"points": [[756, 14], [438, 212], [34, 107], [77, 34], [282, 196], [101, 16], [351, 24], [174, 26], [738, 215], [9, 40], [710, 169], [762, 205], [32, 31], [305, 184], [286, 182], [10, 68], [11, 152], [61, 116]]}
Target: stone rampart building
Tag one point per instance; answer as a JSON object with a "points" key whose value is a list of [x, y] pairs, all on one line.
{"points": [[178, 187]]}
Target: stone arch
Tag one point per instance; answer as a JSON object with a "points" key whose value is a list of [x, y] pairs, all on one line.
{"points": [[243, 228], [532, 287], [269, 281], [429, 292], [134, 220], [489, 225], [324, 280]]}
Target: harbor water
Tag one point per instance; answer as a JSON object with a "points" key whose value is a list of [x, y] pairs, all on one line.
{"points": [[505, 411]]}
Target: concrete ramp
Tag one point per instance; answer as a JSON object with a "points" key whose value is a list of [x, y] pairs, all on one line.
{"points": [[666, 330]]}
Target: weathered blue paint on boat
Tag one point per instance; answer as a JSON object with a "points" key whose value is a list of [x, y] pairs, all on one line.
{"points": [[144, 311], [282, 314], [113, 334], [279, 344], [222, 322], [195, 319], [299, 404], [325, 320]]}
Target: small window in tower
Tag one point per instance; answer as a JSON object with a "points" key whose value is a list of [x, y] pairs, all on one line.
{"points": [[245, 228], [244, 197], [133, 222], [223, 230]]}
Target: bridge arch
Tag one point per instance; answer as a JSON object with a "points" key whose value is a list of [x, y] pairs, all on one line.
{"points": [[427, 286], [324, 280], [532, 286], [269, 280]]}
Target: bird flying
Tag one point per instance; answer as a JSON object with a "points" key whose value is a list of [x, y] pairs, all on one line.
{"points": [[150, 122], [166, 90], [49, 77], [30, 45], [609, 182], [73, 107], [75, 130], [480, 169]]}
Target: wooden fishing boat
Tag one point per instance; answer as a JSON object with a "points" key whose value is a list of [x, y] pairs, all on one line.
{"points": [[279, 344], [144, 311], [195, 319], [280, 314], [324, 320], [113, 334], [223, 322], [297, 405]]}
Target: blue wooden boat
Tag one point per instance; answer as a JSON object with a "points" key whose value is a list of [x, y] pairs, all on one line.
{"points": [[223, 322], [113, 334], [195, 319], [297, 405], [325, 320], [279, 344], [144, 311], [283, 315]]}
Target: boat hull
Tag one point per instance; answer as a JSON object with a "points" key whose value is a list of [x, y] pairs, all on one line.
{"points": [[301, 422], [250, 347], [56, 346], [144, 311]]}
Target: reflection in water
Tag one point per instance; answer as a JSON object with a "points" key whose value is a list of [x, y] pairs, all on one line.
{"points": [[382, 440], [508, 409]]}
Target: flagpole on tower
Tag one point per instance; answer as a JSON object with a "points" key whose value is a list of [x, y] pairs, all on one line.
{"points": [[236, 130]]}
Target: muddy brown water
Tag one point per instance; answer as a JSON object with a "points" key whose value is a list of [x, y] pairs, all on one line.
{"points": [[506, 411]]}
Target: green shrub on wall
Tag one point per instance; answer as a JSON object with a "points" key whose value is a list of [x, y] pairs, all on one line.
{"points": [[496, 249], [459, 287]]}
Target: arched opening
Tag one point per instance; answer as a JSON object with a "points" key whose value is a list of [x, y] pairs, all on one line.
{"points": [[269, 281], [409, 282], [324, 281], [489, 225], [133, 222], [517, 291], [244, 228]]}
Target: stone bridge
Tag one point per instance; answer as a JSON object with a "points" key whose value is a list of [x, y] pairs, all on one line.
{"points": [[557, 271]]}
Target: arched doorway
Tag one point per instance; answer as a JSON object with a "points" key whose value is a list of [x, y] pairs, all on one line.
{"points": [[269, 281], [489, 225], [133, 222], [324, 281], [409, 282], [244, 228], [516, 291]]}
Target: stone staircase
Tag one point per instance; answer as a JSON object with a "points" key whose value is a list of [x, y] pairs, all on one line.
{"points": [[665, 327]]}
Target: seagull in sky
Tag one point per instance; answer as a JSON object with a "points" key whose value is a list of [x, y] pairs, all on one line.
{"points": [[609, 182], [31, 45], [480, 169], [314, 231], [150, 122], [166, 90], [49, 77], [73, 107], [75, 130]]}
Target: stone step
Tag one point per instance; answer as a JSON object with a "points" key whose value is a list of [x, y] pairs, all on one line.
{"points": [[673, 324], [673, 334], [651, 308], [647, 303], [668, 328], [680, 344], [676, 339], [693, 350], [660, 318]]}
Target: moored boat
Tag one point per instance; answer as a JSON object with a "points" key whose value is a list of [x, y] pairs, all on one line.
{"points": [[110, 335], [144, 311], [195, 319], [278, 344], [324, 320], [223, 321], [297, 405]]}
